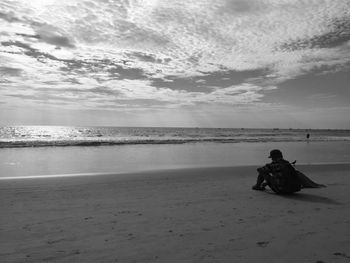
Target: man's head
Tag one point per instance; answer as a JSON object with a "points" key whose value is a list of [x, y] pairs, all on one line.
{"points": [[276, 154]]}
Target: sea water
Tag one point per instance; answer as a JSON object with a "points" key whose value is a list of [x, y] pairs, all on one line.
{"points": [[119, 150], [42, 136]]}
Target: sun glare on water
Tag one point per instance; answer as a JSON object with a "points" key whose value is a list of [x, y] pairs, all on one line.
{"points": [[48, 132], [41, 3]]}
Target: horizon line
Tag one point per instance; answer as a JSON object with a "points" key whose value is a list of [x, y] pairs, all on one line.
{"points": [[181, 127]]}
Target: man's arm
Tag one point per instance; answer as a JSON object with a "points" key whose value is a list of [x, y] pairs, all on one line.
{"points": [[265, 169]]}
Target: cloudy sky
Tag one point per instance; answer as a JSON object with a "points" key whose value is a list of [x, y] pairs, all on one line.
{"points": [[206, 63]]}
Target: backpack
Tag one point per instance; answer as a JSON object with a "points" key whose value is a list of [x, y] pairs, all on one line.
{"points": [[284, 179]]}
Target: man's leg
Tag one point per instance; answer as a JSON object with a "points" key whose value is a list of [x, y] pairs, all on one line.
{"points": [[262, 176]]}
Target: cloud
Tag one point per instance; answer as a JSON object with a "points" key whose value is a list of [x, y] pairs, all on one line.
{"points": [[52, 35], [8, 71], [148, 57], [131, 94], [208, 80], [337, 35], [170, 54], [240, 7], [43, 31], [9, 17]]}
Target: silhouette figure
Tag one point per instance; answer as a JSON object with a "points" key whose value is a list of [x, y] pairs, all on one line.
{"points": [[281, 176]]}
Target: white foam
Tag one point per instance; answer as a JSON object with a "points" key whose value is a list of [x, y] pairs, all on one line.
{"points": [[52, 176]]}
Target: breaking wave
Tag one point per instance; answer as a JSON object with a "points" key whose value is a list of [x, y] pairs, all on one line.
{"points": [[48, 136]]}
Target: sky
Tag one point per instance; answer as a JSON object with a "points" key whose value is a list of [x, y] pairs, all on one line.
{"points": [[184, 63]]}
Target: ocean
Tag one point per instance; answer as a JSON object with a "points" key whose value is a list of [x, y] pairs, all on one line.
{"points": [[44, 136], [27, 151]]}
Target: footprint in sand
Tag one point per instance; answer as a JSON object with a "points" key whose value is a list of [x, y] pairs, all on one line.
{"points": [[241, 221], [341, 254], [50, 242], [262, 243]]}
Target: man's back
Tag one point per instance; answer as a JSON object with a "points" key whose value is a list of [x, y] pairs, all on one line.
{"points": [[283, 177]]}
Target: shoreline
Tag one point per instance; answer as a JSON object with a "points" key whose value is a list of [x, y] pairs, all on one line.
{"points": [[36, 161], [179, 215], [9, 144], [157, 171], [100, 143]]}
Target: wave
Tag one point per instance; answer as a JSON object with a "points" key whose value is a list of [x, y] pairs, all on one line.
{"points": [[101, 142]]}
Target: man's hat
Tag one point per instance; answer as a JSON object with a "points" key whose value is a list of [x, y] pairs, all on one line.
{"points": [[275, 153]]}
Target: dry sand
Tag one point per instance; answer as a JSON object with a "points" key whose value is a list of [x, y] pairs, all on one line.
{"points": [[189, 215]]}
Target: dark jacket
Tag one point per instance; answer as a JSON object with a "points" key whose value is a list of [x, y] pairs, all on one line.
{"points": [[283, 178]]}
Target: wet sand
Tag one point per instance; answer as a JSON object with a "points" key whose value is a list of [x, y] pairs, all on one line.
{"points": [[182, 215]]}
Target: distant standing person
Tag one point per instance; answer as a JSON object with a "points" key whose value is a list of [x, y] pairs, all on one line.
{"points": [[308, 136]]}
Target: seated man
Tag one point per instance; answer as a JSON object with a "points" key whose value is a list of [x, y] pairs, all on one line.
{"points": [[279, 175]]}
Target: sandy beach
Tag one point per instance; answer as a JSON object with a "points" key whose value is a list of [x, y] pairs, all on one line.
{"points": [[180, 215], [132, 131]]}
